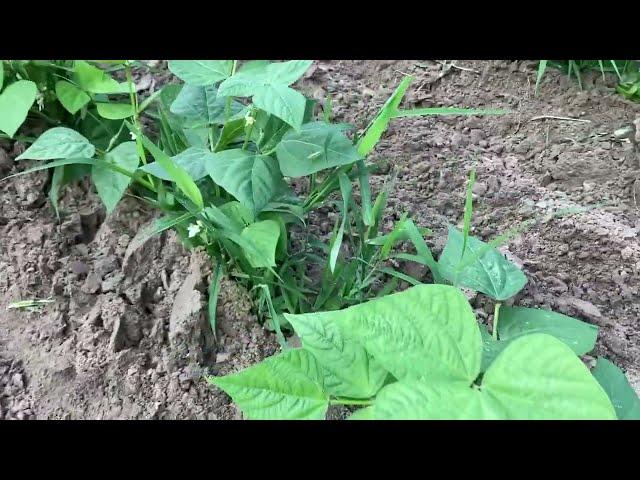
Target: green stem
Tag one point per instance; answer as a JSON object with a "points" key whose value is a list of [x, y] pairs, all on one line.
{"points": [[496, 317], [133, 99], [350, 401]]}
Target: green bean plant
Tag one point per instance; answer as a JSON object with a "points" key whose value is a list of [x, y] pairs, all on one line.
{"points": [[421, 354], [65, 98], [240, 161]]}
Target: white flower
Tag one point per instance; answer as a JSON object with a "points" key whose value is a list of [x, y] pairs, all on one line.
{"points": [[194, 229], [40, 100], [133, 135], [249, 120]]}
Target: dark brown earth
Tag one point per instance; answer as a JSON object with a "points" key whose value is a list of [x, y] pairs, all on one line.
{"points": [[127, 339]]}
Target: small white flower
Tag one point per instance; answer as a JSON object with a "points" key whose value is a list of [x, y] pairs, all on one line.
{"points": [[40, 100], [194, 229], [133, 135], [249, 120]]}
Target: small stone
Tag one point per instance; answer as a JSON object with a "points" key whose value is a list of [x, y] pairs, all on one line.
{"points": [[17, 381], [479, 188], [92, 283], [79, 268]]}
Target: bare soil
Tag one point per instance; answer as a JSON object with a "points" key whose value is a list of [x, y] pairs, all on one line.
{"points": [[127, 337]]}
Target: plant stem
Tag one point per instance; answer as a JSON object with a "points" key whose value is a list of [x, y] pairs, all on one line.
{"points": [[133, 98], [496, 317], [350, 401]]}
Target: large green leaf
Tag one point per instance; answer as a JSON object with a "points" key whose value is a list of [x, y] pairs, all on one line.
{"points": [[440, 400], [202, 106], [57, 143], [256, 74], [252, 179], [482, 269], [15, 102], [517, 321], [110, 184], [539, 377], [264, 238], [71, 97], [268, 84], [91, 79], [283, 102], [624, 398], [426, 331], [201, 72], [536, 377], [192, 160], [288, 386], [350, 372], [317, 146]]}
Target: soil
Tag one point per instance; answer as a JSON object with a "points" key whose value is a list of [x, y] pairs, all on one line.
{"points": [[126, 336]]}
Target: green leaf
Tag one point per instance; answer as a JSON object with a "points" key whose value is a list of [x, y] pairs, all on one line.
{"points": [[1, 74], [259, 73], [539, 377], [542, 67], [317, 146], [71, 97], [231, 130], [283, 102], [482, 268], [15, 102], [345, 190], [286, 73], [362, 414], [202, 106], [238, 213], [536, 377], [115, 111], [440, 400], [57, 180], [57, 143], [624, 398], [268, 130], [374, 132], [518, 321], [91, 79], [349, 371], [427, 331], [268, 84], [177, 173], [287, 386], [201, 72], [110, 184], [252, 179], [192, 160], [264, 237]]}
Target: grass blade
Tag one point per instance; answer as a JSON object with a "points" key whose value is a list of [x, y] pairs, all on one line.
{"points": [[542, 67]]}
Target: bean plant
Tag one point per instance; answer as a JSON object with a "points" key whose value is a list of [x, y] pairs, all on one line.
{"points": [[237, 162]]}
